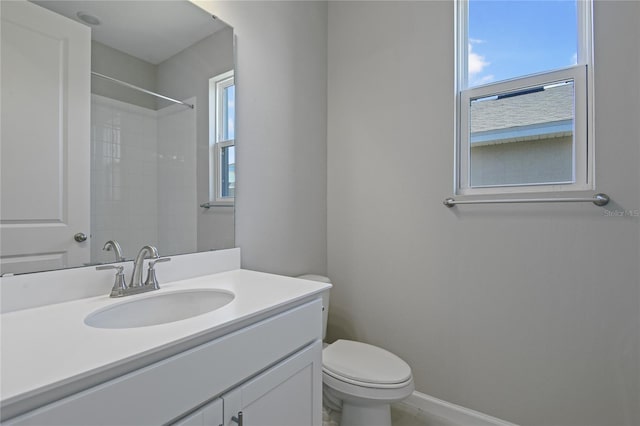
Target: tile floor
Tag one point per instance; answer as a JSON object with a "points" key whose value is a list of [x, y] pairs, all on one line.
{"points": [[401, 415], [405, 415]]}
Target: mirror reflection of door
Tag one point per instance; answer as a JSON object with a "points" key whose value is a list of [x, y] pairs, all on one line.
{"points": [[45, 125]]}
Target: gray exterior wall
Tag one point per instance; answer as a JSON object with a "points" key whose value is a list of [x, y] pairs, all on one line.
{"points": [[540, 161]]}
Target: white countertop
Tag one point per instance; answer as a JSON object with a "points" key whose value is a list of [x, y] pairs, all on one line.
{"points": [[50, 348]]}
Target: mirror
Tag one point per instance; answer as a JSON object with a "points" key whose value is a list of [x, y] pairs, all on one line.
{"points": [[91, 153]]}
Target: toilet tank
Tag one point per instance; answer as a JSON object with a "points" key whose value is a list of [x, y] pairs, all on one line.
{"points": [[325, 299]]}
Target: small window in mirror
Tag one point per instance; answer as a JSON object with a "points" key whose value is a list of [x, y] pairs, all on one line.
{"points": [[222, 156]]}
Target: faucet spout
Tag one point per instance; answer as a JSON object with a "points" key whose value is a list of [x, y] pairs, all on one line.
{"points": [[136, 277], [117, 250]]}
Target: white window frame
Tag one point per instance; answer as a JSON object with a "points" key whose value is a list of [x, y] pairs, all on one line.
{"points": [[217, 142], [582, 76]]}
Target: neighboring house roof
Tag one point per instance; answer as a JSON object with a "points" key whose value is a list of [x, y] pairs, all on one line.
{"points": [[537, 115]]}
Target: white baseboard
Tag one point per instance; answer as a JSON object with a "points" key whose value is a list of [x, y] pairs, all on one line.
{"points": [[451, 413]]}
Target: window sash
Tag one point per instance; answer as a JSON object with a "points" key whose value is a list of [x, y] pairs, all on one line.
{"points": [[221, 107], [580, 170], [218, 149]]}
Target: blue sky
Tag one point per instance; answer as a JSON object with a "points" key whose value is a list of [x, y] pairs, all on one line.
{"points": [[511, 38], [230, 125]]}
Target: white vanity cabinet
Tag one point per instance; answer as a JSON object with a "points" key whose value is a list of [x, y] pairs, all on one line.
{"points": [[269, 368]]}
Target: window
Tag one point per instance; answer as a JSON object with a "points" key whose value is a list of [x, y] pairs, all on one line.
{"points": [[222, 157], [523, 96]]}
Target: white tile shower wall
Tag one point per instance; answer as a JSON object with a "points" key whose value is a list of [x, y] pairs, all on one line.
{"points": [[177, 198], [124, 173]]}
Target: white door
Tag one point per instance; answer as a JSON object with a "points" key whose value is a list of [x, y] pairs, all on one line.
{"points": [[45, 145]]}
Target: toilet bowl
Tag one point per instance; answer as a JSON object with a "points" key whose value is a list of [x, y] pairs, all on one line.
{"points": [[361, 380], [365, 380]]}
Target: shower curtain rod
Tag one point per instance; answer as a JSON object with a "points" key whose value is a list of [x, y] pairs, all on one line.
{"points": [[140, 89]]}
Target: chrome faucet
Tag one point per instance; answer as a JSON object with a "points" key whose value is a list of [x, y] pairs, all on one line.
{"points": [[136, 286], [136, 277], [117, 250]]}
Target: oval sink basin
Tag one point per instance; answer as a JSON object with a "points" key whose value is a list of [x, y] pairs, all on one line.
{"points": [[159, 309]]}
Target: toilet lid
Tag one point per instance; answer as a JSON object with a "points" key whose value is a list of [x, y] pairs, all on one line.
{"points": [[364, 363]]}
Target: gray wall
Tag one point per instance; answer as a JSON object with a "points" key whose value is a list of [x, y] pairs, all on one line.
{"points": [[529, 313], [114, 63], [281, 137], [186, 75]]}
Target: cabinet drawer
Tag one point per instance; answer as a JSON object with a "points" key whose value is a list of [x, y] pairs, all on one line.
{"points": [[165, 390]]}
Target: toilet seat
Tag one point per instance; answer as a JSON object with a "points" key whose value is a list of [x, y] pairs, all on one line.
{"points": [[361, 394], [345, 380], [360, 364]]}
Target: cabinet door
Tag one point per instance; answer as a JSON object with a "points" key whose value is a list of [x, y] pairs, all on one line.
{"points": [[288, 394], [209, 415]]}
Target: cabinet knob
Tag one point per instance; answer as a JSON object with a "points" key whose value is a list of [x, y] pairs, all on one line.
{"points": [[80, 237], [238, 419]]}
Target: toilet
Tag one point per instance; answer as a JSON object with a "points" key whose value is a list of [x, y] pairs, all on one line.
{"points": [[361, 380]]}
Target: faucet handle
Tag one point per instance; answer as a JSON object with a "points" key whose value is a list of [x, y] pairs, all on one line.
{"points": [[105, 267], [119, 285], [153, 262], [151, 273]]}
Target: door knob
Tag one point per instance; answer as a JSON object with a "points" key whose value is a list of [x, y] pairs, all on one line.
{"points": [[80, 237]]}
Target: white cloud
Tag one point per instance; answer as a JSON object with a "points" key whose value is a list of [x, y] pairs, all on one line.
{"points": [[476, 62]]}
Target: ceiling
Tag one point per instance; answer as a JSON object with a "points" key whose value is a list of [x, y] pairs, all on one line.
{"points": [[149, 30]]}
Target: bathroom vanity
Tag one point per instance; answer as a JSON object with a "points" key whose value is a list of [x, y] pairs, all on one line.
{"points": [[255, 360]]}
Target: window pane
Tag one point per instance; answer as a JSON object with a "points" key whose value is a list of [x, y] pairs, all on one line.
{"points": [[228, 171], [510, 39], [229, 102], [523, 137]]}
